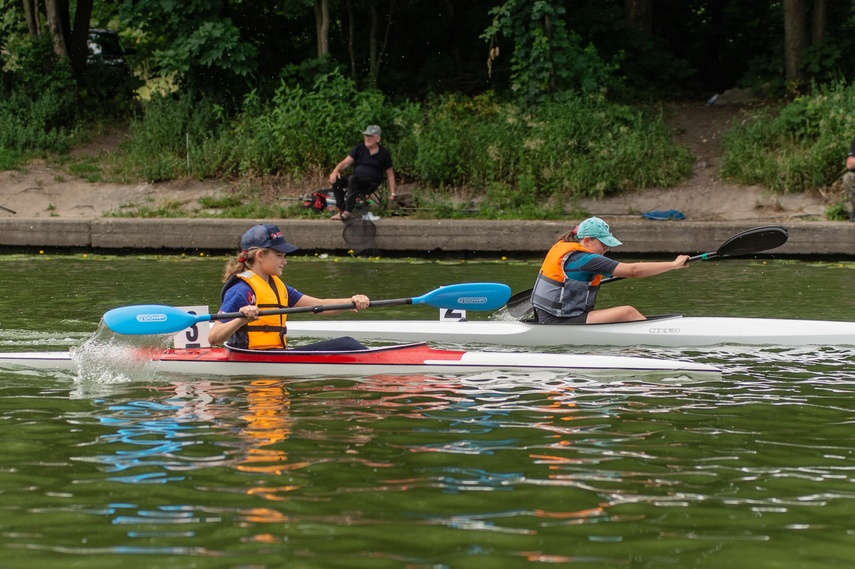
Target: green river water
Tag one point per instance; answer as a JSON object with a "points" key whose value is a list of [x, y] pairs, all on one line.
{"points": [[755, 469]]}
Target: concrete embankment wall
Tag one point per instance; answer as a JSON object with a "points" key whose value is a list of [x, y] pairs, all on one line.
{"points": [[411, 236]]}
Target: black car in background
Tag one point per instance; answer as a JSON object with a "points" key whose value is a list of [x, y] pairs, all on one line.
{"points": [[105, 49], [108, 75]]}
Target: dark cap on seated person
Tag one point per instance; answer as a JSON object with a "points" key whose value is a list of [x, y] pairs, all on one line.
{"points": [[372, 130], [266, 237]]}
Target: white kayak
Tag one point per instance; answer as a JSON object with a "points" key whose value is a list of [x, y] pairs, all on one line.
{"points": [[402, 359], [665, 331]]}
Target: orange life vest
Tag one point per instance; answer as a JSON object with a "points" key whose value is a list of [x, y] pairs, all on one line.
{"points": [[268, 332], [558, 295]]}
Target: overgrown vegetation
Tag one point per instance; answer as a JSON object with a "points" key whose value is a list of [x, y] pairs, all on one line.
{"points": [[37, 102], [573, 146], [549, 123], [801, 146], [837, 212], [44, 108]]}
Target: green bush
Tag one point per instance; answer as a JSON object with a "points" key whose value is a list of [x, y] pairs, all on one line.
{"points": [[173, 137], [107, 91], [37, 99], [42, 105], [9, 159], [302, 130], [297, 131], [802, 147], [837, 212], [575, 146], [570, 147]]}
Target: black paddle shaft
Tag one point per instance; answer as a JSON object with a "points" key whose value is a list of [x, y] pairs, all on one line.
{"points": [[314, 309], [750, 241], [747, 242]]}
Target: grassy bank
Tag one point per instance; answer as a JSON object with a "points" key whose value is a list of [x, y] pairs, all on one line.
{"points": [[514, 162], [799, 147], [472, 157]]}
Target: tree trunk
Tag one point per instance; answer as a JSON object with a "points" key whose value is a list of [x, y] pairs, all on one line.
{"points": [[350, 49], [78, 49], [795, 40], [385, 36], [57, 21], [455, 43], [819, 22], [374, 53], [31, 14], [639, 15], [372, 44], [322, 27], [547, 29]]}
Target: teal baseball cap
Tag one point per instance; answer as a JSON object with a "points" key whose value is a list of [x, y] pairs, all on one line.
{"points": [[598, 229]]}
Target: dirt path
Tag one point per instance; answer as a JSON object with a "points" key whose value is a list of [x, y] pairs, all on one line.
{"points": [[41, 191]]}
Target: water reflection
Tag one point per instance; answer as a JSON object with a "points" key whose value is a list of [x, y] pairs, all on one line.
{"points": [[268, 423], [540, 468], [204, 415], [430, 471]]}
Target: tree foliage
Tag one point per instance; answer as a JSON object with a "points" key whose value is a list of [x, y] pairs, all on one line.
{"points": [[196, 42], [37, 99], [242, 63], [437, 43], [546, 58], [414, 48]]}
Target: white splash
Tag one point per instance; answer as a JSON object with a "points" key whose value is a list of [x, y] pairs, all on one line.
{"points": [[108, 358]]}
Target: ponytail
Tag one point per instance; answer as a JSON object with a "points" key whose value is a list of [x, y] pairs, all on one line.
{"points": [[242, 262], [570, 235]]}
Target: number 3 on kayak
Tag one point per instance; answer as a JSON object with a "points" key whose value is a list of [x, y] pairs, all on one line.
{"points": [[196, 336]]}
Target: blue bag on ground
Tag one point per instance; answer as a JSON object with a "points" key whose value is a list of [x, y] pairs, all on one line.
{"points": [[665, 215]]}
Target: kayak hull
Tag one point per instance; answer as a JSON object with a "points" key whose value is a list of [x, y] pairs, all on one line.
{"points": [[662, 331], [404, 359]]}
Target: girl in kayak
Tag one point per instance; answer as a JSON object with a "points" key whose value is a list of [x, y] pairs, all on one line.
{"points": [[566, 287], [252, 284]]}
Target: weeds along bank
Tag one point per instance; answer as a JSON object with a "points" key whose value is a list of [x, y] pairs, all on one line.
{"points": [[518, 158], [573, 146], [519, 162], [800, 146]]}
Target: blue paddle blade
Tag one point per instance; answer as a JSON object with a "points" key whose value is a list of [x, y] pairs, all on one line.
{"points": [[150, 319], [467, 296]]}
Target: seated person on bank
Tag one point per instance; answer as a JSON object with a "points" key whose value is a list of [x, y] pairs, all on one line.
{"points": [[370, 163]]}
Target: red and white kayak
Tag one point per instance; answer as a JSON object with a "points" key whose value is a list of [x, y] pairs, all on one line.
{"points": [[401, 359]]}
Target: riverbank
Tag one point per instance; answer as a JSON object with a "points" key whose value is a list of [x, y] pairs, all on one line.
{"points": [[45, 206], [402, 236]]}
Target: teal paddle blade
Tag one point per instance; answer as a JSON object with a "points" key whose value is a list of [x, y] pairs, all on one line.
{"points": [[468, 296], [150, 319]]}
